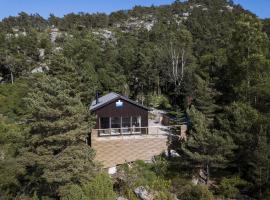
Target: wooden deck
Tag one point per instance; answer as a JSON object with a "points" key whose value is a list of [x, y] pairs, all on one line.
{"points": [[115, 147]]}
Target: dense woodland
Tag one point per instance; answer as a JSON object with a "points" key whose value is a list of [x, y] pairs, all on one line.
{"points": [[206, 59]]}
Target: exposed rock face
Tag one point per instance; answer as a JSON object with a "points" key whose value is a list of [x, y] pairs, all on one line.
{"points": [[172, 153], [57, 49], [16, 35], [41, 54], [186, 14], [230, 8], [121, 198], [37, 70], [107, 34], [133, 23], [195, 180], [142, 193], [54, 34], [112, 170], [40, 69]]}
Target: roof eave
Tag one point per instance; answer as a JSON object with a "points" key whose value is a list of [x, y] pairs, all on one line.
{"points": [[123, 98]]}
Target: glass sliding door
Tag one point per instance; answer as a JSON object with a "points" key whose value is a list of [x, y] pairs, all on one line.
{"points": [[126, 124], [136, 124], [104, 126], [120, 125], [115, 125]]}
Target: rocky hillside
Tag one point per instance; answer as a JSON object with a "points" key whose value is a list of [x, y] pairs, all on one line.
{"points": [[206, 62]]}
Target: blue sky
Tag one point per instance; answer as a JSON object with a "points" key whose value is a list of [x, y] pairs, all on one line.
{"points": [[61, 7]]}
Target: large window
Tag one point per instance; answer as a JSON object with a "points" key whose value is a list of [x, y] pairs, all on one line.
{"points": [[126, 124], [104, 122], [136, 124], [136, 121], [117, 125], [104, 125], [115, 122]]}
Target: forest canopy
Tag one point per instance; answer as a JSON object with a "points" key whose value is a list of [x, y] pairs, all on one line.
{"points": [[205, 59]]}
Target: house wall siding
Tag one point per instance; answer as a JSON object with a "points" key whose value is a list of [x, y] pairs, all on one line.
{"points": [[129, 109]]}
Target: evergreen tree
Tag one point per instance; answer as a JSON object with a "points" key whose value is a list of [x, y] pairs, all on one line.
{"points": [[12, 138], [206, 148], [204, 98], [259, 163], [56, 154], [249, 67], [248, 128]]}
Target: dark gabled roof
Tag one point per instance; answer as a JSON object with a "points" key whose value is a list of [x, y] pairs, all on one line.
{"points": [[108, 98]]}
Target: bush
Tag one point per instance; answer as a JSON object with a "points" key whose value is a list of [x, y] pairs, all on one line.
{"points": [[11, 99], [143, 174], [229, 187], [75, 192], [159, 101], [101, 187], [195, 192]]}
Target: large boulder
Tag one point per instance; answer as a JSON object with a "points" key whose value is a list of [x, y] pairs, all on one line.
{"points": [[172, 153], [41, 54], [121, 198], [112, 170], [142, 193], [40, 69]]}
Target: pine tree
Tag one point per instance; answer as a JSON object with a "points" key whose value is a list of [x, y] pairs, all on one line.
{"points": [[241, 122], [56, 154], [206, 148], [204, 98], [249, 68], [259, 162]]}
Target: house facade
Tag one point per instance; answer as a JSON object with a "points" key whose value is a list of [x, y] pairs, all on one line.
{"points": [[117, 115]]}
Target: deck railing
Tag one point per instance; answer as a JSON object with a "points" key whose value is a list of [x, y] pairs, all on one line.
{"points": [[151, 130]]}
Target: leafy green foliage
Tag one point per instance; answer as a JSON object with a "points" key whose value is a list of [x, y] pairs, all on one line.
{"points": [[56, 152], [101, 187], [159, 101], [143, 174], [192, 192], [11, 99], [229, 187], [209, 57], [206, 147]]}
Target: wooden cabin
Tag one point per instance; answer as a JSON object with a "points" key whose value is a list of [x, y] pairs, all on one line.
{"points": [[124, 133], [119, 115]]}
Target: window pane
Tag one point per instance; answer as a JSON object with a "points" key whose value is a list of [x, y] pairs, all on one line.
{"points": [[136, 121], [104, 122], [116, 122], [126, 122]]}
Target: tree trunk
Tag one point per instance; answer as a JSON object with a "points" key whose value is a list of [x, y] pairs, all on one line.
{"points": [[207, 173], [11, 76]]}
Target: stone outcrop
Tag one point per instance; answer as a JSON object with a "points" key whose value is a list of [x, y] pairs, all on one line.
{"points": [[142, 193]]}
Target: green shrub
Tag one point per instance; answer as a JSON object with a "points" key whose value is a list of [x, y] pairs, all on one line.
{"points": [[143, 174], [196, 192], [229, 186], [266, 194], [159, 101], [101, 187], [11, 99], [74, 192]]}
